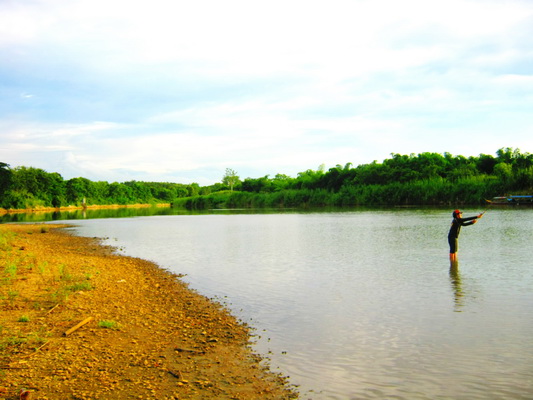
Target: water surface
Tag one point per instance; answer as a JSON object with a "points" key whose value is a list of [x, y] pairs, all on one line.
{"points": [[362, 304]]}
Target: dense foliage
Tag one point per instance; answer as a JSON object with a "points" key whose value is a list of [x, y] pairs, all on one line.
{"points": [[28, 187], [423, 179]]}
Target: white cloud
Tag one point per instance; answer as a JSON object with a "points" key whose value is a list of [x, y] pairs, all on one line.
{"points": [[186, 89]]}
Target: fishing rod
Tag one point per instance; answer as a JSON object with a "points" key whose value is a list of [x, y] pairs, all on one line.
{"points": [[484, 211]]}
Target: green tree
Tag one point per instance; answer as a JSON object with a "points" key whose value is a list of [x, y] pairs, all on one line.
{"points": [[193, 189], [281, 182], [139, 191], [309, 179], [77, 189], [370, 174], [98, 192], [31, 179], [503, 170], [5, 178], [120, 193], [230, 178], [55, 186], [485, 164], [507, 154]]}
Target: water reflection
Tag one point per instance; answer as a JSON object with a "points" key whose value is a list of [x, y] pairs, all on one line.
{"points": [[129, 212], [458, 292], [121, 212]]}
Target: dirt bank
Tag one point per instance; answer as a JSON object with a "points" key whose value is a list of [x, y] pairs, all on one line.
{"points": [[146, 336]]}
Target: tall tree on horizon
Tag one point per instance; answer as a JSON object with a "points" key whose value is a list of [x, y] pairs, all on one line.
{"points": [[230, 178]]}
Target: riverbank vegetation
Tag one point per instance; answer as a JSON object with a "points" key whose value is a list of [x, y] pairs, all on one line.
{"points": [[34, 188], [423, 179], [415, 179]]}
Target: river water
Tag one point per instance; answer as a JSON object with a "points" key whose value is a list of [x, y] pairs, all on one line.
{"points": [[362, 304]]}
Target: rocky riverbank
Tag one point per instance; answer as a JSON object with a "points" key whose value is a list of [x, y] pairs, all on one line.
{"points": [[144, 333]]}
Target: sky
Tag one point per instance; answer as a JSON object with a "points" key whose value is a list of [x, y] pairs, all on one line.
{"points": [[178, 91]]}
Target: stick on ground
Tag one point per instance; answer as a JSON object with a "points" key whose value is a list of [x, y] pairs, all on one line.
{"points": [[85, 321]]}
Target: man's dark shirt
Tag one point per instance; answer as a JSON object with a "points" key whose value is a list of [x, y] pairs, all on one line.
{"points": [[457, 223]]}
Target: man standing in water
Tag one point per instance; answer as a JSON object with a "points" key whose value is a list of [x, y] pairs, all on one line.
{"points": [[457, 222]]}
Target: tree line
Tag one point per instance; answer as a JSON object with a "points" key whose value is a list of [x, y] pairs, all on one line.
{"points": [[29, 187], [415, 179]]}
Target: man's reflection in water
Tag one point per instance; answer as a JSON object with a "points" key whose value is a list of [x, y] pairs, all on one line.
{"points": [[455, 279]]}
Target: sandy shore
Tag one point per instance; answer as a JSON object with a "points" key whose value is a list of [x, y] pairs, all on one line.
{"points": [[145, 334]]}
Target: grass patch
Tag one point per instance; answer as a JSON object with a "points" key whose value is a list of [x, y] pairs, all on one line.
{"points": [[11, 341], [38, 338], [11, 269], [5, 240], [64, 273], [68, 284], [80, 286], [42, 268], [109, 325], [60, 296], [12, 295], [14, 340], [24, 318]]}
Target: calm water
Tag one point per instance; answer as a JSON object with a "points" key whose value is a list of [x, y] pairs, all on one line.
{"points": [[363, 304]]}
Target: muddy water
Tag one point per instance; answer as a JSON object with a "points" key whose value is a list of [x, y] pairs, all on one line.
{"points": [[362, 304]]}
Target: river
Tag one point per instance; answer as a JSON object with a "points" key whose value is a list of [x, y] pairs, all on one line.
{"points": [[361, 304]]}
